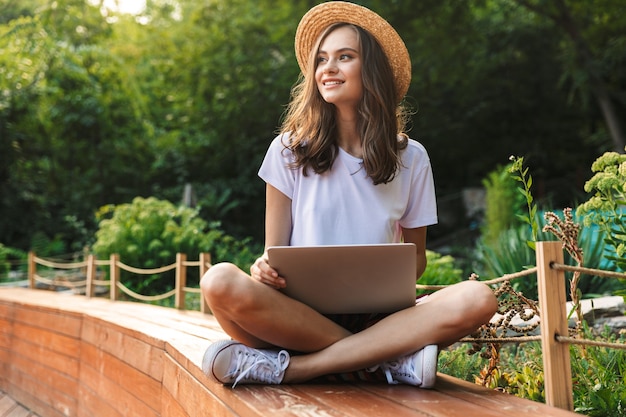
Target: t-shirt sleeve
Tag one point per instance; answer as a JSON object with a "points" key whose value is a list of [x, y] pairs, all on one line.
{"points": [[422, 205], [275, 168]]}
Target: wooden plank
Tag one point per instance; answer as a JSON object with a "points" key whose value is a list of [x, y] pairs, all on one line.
{"points": [[6, 310], [39, 398], [110, 338], [53, 341], [58, 382], [120, 399], [7, 404], [495, 400], [435, 402], [129, 378], [552, 302], [192, 397], [19, 412], [91, 404], [60, 362], [65, 323], [6, 337], [6, 332], [171, 407]]}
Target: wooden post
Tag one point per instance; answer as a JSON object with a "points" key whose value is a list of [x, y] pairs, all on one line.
{"points": [[91, 272], [556, 357], [181, 281], [205, 262], [32, 270], [115, 275]]}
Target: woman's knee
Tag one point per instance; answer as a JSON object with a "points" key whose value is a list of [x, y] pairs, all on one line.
{"points": [[469, 303], [482, 299], [219, 282]]}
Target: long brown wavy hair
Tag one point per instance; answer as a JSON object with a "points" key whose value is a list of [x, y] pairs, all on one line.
{"points": [[312, 126]]}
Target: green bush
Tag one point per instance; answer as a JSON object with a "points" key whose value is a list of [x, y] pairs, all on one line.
{"points": [[440, 270], [149, 232], [8, 257]]}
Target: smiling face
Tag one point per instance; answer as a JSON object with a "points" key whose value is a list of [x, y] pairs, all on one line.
{"points": [[338, 72]]}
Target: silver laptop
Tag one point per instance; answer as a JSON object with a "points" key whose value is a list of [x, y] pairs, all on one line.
{"points": [[348, 279]]}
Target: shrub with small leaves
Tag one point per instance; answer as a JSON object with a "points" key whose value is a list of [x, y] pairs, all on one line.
{"points": [[607, 207], [149, 232]]}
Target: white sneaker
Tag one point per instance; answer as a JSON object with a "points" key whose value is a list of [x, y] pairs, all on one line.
{"points": [[419, 368], [231, 362]]}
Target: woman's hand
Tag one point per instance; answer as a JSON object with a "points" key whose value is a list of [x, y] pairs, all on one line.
{"points": [[263, 272]]}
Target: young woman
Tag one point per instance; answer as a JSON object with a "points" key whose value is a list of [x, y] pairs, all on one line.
{"points": [[342, 171]]}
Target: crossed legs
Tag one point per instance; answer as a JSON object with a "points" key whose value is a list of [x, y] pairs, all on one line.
{"points": [[262, 317]]}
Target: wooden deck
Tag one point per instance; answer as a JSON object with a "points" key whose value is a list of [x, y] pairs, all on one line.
{"points": [[68, 355], [11, 408]]}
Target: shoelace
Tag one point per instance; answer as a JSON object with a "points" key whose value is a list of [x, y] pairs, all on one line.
{"points": [[259, 366], [399, 367]]}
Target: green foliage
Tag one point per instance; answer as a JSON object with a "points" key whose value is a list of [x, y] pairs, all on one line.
{"points": [[606, 207], [507, 255], [598, 373], [501, 202], [440, 270], [519, 369], [521, 174], [99, 107], [510, 254], [9, 256], [69, 129], [149, 232], [506, 245]]}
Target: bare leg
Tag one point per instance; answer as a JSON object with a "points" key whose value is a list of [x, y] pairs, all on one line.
{"points": [[442, 319], [259, 316]]}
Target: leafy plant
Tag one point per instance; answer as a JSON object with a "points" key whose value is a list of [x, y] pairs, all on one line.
{"points": [[511, 254], [606, 208], [501, 202], [7, 256], [598, 373], [149, 232], [521, 174]]}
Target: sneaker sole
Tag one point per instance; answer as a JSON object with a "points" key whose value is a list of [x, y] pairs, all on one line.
{"points": [[429, 357], [209, 357]]}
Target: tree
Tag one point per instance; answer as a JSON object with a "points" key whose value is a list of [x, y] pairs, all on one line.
{"points": [[595, 63], [69, 125]]}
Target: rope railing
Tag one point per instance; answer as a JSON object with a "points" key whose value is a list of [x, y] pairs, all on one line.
{"points": [[61, 265], [589, 342], [61, 282], [513, 339], [589, 271], [147, 298], [86, 277], [140, 271], [503, 278]]}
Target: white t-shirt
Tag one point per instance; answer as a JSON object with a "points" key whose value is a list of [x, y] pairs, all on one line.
{"points": [[343, 206]]}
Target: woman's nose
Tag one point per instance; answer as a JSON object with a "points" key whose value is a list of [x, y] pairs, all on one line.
{"points": [[330, 67]]}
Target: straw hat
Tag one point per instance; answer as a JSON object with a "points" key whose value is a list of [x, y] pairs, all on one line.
{"points": [[320, 17]]}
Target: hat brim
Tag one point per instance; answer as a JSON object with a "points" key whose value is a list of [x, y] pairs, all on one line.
{"points": [[320, 17]]}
